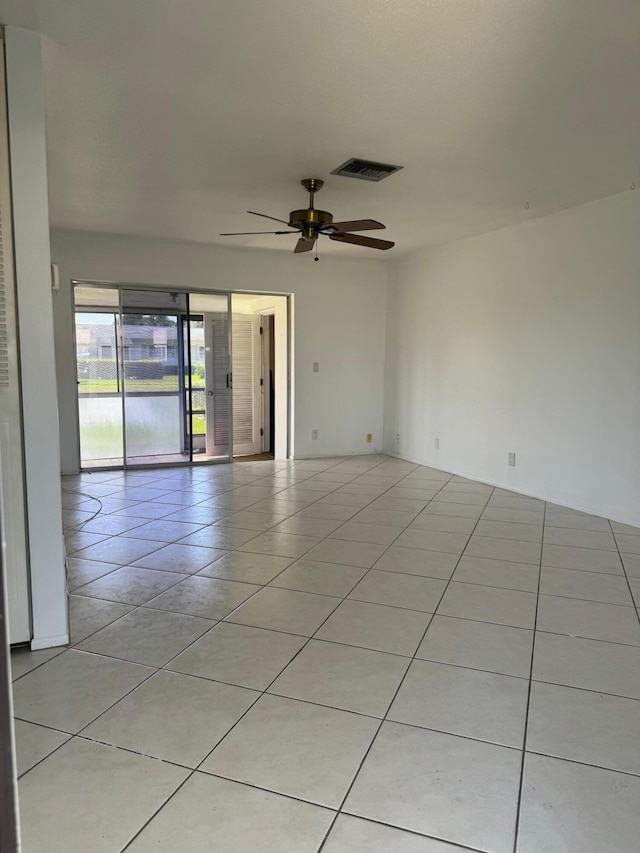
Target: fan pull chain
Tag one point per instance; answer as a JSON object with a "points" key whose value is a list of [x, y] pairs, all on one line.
{"points": [[316, 257]]}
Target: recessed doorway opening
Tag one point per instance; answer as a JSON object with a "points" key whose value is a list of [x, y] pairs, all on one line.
{"points": [[175, 377]]}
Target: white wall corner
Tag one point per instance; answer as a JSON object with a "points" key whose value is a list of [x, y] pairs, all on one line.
{"points": [[25, 101]]}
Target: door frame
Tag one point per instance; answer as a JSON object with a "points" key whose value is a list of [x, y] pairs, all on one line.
{"points": [[168, 288]]}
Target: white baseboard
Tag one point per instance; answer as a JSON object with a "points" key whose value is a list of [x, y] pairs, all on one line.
{"points": [[49, 642]]}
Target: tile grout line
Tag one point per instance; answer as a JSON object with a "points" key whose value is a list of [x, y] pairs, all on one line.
{"points": [[384, 719], [516, 829], [626, 575]]}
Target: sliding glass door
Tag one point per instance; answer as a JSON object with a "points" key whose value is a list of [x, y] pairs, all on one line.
{"points": [[154, 380]]}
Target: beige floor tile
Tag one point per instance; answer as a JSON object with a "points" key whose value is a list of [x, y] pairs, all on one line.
{"points": [[584, 559], [516, 503], [71, 690], [88, 615], [438, 507], [610, 589], [398, 504], [238, 654], [186, 559], [278, 741], [489, 604], [249, 520], [466, 498], [23, 660], [397, 590], [211, 598], [162, 530], [631, 564], [628, 544], [567, 806], [592, 728], [558, 517], [478, 645], [433, 540], [80, 798], [501, 573], [345, 677], [129, 585], [377, 534], [453, 788], [216, 814], [503, 549], [509, 530], [334, 512], [280, 544], [247, 568], [362, 554], [589, 664], [147, 636], [33, 743], [388, 517], [223, 538], [617, 527], [461, 701], [117, 549], [354, 835], [322, 578], [285, 610], [579, 538], [519, 516], [591, 619], [307, 526], [375, 626], [85, 571], [174, 717], [444, 523], [413, 561]]}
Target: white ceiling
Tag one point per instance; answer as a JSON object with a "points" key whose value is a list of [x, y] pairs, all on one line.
{"points": [[171, 118]]}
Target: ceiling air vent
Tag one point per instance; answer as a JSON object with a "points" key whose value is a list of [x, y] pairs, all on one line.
{"points": [[366, 170]]}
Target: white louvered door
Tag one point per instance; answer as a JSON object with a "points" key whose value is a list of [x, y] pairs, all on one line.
{"points": [[12, 515], [246, 358]]}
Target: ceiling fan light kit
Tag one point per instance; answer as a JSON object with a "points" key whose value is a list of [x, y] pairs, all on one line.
{"points": [[311, 223]]}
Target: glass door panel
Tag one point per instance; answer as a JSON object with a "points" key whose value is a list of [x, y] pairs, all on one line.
{"points": [[99, 387], [210, 393], [153, 377]]}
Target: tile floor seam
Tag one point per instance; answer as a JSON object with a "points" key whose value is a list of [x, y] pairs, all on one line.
{"points": [[383, 720], [516, 831], [583, 763], [626, 575]]}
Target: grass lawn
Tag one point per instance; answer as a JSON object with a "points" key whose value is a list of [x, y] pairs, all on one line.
{"points": [[110, 386]]}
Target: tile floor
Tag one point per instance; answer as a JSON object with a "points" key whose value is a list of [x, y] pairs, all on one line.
{"points": [[343, 655]]}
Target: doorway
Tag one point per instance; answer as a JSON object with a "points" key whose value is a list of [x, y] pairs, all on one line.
{"points": [[174, 377]]}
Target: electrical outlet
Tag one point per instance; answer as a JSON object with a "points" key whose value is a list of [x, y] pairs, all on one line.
{"points": [[511, 460], [437, 444], [316, 367], [314, 434], [369, 437], [398, 439]]}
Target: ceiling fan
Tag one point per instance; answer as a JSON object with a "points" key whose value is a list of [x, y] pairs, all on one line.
{"points": [[312, 223]]}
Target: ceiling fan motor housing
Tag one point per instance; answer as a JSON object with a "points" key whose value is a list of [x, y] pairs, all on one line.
{"points": [[310, 221]]}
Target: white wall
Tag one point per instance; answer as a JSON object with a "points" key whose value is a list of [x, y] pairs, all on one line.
{"points": [[25, 100], [339, 321], [526, 339]]}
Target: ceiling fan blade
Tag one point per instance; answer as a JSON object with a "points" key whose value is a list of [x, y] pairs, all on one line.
{"points": [[241, 233], [304, 244], [266, 216], [357, 240], [357, 225]]}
